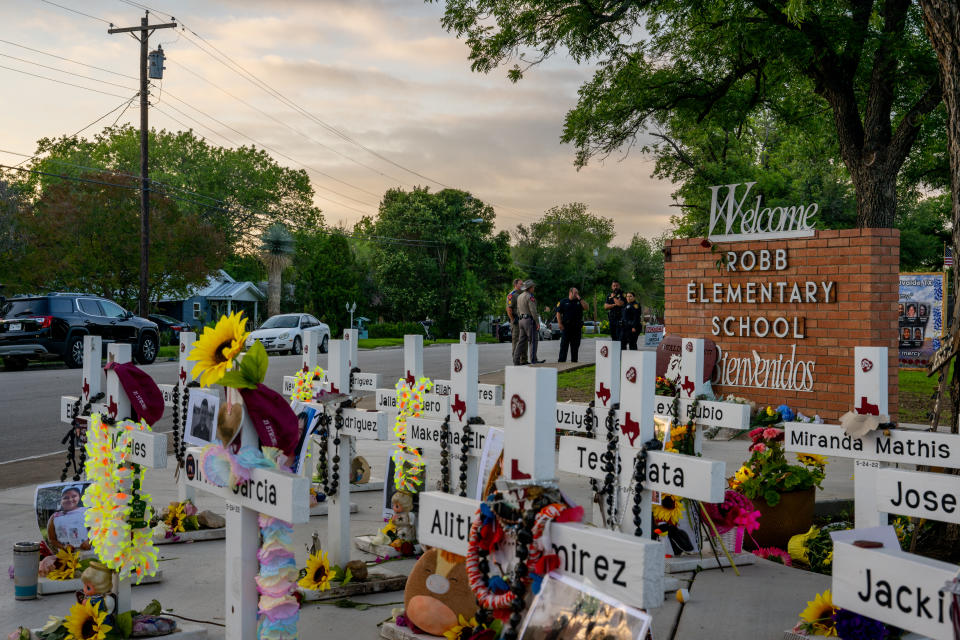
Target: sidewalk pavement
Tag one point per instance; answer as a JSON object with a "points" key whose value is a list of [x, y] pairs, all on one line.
{"points": [[765, 600]]}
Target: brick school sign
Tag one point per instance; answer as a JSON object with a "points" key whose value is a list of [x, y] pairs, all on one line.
{"points": [[786, 313]]}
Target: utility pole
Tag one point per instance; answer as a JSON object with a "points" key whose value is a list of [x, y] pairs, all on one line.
{"points": [[145, 30]]}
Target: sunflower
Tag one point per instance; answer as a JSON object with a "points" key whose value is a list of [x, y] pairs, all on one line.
{"points": [[85, 622], [819, 613], [215, 350], [462, 630], [669, 510], [318, 572], [175, 518], [68, 561], [812, 460]]}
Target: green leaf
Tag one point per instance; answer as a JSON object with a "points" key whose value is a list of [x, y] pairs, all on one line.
{"points": [[123, 623], [258, 360], [152, 609], [772, 497], [236, 380], [190, 523], [347, 577]]}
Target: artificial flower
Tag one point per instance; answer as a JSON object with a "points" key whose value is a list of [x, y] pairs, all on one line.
{"points": [[85, 622], [759, 447], [770, 412], [215, 350], [462, 630], [786, 414], [772, 433], [749, 520], [743, 474], [819, 614], [66, 565], [812, 459], [853, 626], [797, 546], [774, 554], [318, 572], [669, 510], [176, 515]]}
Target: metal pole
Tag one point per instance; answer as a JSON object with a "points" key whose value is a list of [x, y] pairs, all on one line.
{"points": [[144, 174]]}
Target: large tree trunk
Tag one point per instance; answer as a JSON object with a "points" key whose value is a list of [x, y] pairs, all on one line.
{"points": [[942, 20], [876, 193]]}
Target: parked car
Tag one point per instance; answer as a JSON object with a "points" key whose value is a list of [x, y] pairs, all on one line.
{"points": [[53, 326], [505, 332], [170, 326], [284, 333], [589, 326], [545, 332]]}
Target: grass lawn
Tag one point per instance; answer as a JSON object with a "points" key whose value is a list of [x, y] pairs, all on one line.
{"points": [[169, 351], [915, 401], [373, 343]]}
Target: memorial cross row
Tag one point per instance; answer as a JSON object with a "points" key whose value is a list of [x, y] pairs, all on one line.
{"points": [[623, 567]]}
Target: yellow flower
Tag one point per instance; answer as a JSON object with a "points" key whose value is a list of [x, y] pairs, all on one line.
{"points": [[678, 432], [669, 510], [215, 350], [66, 568], [85, 622], [819, 613], [176, 515], [743, 474], [797, 545], [770, 411], [812, 460], [462, 629], [318, 572]]}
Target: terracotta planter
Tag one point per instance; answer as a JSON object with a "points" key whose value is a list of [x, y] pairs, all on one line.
{"points": [[792, 515]]}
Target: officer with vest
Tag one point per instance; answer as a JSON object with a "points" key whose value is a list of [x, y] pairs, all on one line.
{"points": [[631, 325], [570, 319], [614, 305], [514, 316], [529, 323]]}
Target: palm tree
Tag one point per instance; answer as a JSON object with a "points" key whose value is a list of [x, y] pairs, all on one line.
{"points": [[276, 247]]}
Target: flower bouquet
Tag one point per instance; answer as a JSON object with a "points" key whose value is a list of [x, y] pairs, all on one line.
{"points": [[822, 619], [666, 387], [733, 517], [768, 474], [815, 547]]}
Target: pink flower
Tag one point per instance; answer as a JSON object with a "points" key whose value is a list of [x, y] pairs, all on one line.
{"points": [[758, 447], [775, 554], [749, 520], [772, 433], [756, 434]]}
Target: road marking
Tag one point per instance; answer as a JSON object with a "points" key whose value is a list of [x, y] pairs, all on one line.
{"points": [[46, 455]]}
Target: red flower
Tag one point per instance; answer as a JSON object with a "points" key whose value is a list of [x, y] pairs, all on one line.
{"points": [[756, 434], [705, 243], [406, 548]]}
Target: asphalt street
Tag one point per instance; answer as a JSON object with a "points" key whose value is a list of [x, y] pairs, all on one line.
{"points": [[30, 400]]}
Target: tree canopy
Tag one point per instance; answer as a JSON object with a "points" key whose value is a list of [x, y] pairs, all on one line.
{"points": [[867, 65], [435, 255]]}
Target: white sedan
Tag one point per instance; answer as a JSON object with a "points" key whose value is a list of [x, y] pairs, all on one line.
{"points": [[284, 333]]}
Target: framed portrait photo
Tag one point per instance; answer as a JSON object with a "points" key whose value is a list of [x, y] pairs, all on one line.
{"points": [[201, 418], [60, 514]]}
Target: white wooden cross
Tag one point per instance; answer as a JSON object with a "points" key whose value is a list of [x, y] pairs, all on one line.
{"points": [[271, 492], [488, 394], [92, 373], [682, 475], [885, 583], [434, 404], [184, 377], [901, 446], [621, 566]]}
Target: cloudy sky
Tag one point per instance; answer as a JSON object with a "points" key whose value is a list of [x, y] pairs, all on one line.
{"points": [[382, 72]]}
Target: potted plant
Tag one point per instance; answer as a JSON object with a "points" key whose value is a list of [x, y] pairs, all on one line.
{"points": [[782, 491]]}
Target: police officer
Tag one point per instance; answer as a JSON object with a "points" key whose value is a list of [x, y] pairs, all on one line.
{"points": [[514, 316], [529, 322], [570, 318], [614, 306], [631, 325]]}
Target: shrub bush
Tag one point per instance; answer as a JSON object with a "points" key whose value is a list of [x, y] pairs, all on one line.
{"points": [[394, 329]]}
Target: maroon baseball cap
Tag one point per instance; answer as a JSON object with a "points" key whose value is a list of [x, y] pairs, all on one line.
{"points": [[146, 400], [275, 421]]}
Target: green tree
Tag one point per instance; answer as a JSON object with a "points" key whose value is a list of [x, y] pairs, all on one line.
{"points": [[645, 259], [84, 236], [435, 255], [326, 277], [569, 246], [276, 253], [868, 63], [239, 191]]}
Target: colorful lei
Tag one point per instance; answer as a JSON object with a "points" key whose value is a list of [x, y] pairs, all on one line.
{"points": [[408, 463], [113, 503], [279, 609], [303, 385]]}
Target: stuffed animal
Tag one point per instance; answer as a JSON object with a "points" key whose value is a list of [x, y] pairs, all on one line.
{"points": [[438, 592]]}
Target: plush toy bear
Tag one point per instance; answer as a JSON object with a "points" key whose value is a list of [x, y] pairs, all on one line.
{"points": [[437, 592]]}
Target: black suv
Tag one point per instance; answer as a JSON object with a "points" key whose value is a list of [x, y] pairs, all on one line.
{"points": [[39, 327]]}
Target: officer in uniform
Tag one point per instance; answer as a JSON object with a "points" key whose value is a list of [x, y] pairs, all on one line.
{"points": [[570, 318], [632, 325], [514, 316], [529, 322], [614, 306]]}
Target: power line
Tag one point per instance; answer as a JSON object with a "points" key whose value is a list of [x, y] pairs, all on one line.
{"points": [[76, 75], [87, 15], [83, 64], [69, 84]]}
